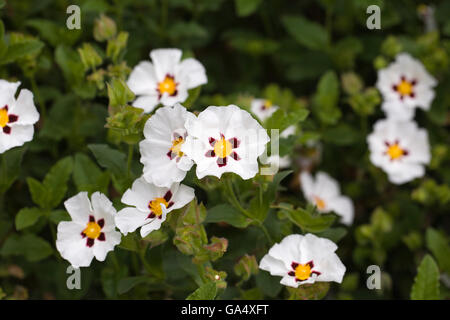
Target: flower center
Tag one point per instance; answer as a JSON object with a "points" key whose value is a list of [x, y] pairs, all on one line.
{"points": [[4, 119], [267, 104], [405, 88], [155, 205], [394, 151], [92, 230], [223, 148], [167, 85], [319, 203], [176, 146], [303, 271]]}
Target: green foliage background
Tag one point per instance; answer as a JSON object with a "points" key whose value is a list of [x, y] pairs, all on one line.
{"points": [[315, 59]]}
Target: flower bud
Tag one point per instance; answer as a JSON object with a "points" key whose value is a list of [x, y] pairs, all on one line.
{"points": [[89, 57], [104, 28]]}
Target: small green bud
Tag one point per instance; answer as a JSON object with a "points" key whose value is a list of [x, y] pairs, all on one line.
{"points": [[119, 94], [380, 63], [351, 83], [216, 248], [104, 28], [246, 267], [89, 57], [391, 47], [116, 46]]}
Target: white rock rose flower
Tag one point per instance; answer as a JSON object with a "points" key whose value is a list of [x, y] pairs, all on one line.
{"points": [[17, 116], [324, 192], [150, 205], [263, 108], [164, 162], [91, 233], [400, 148], [165, 80], [225, 139], [304, 259], [405, 85]]}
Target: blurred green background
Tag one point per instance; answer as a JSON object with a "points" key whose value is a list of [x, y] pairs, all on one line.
{"points": [[317, 55]]}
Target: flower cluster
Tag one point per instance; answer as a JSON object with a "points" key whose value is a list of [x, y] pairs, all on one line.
{"points": [[218, 140], [396, 144]]}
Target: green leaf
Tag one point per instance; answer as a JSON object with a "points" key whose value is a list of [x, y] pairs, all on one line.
{"points": [[19, 50], [54, 33], [207, 291], [31, 246], [194, 214], [426, 283], [228, 214], [27, 217], [129, 242], [10, 167], [268, 284], [281, 120], [109, 158], [438, 244], [341, 135], [73, 69], [307, 33], [246, 7], [271, 192], [56, 216], [38, 192], [308, 219], [334, 234], [87, 175], [56, 181], [326, 99], [126, 284], [51, 191]]}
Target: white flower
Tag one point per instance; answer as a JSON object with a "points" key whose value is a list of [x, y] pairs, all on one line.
{"points": [[225, 139], [17, 116], [401, 149], [164, 162], [150, 205], [263, 108], [289, 131], [303, 259], [165, 80], [282, 162], [405, 85], [324, 192], [91, 233]]}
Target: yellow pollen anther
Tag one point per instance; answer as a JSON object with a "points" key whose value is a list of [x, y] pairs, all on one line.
{"points": [[405, 88], [319, 203], [167, 85], [92, 230], [303, 271], [3, 117], [395, 152], [223, 148], [155, 205], [176, 146]]}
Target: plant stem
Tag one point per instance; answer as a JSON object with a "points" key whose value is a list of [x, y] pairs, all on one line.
{"points": [[266, 233], [232, 197]]}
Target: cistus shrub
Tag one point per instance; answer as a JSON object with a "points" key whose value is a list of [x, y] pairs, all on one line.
{"points": [[212, 149]]}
